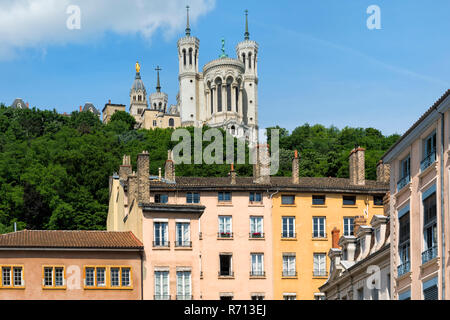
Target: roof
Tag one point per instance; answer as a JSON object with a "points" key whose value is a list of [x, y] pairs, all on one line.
{"points": [[70, 239], [90, 107], [426, 114], [19, 104], [307, 184], [176, 208], [138, 84]]}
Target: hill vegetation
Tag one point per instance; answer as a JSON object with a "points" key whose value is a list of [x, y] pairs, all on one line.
{"points": [[54, 169]]}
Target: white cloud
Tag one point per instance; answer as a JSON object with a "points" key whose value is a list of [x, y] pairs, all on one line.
{"points": [[38, 23]]}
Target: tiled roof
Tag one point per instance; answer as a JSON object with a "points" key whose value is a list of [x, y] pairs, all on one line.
{"points": [[305, 184], [70, 239], [428, 112]]}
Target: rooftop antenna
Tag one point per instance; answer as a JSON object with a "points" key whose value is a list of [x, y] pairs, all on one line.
{"points": [[188, 28], [246, 34]]}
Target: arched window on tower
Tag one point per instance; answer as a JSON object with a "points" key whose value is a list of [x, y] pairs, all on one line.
{"points": [[139, 97], [190, 56], [229, 82], [195, 57], [243, 58], [171, 123], [184, 57], [249, 60], [211, 96], [233, 130], [219, 94], [160, 105], [237, 98], [134, 98]]}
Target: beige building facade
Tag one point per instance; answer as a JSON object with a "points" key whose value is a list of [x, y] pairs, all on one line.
{"points": [[419, 206]]}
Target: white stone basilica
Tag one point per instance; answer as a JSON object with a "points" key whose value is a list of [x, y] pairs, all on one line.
{"points": [[225, 93]]}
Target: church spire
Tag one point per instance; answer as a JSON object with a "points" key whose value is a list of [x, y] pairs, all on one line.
{"points": [[246, 34], [158, 84], [188, 28]]}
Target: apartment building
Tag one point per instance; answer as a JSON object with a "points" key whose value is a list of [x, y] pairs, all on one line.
{"points": [[419, 204], [73, 265]]}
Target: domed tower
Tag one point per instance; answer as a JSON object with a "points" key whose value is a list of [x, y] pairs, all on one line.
{"points": [[138, 95], [188, 49], [247, 52], [158, 99]]}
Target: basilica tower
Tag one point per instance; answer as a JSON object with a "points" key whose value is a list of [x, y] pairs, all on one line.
{"points": [[138, 95], [247, 52], [158, 99], [188, 48]]}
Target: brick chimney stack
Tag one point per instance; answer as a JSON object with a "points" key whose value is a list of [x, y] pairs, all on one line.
{"points": [[233, 174], [261, 168], [143, 174], [359, 221], [357, 167], [335, 238], [125, 169], [383, 172], [295, 168], [81, 109], [169, 168]]}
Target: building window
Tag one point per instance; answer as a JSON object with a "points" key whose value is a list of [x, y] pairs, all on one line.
{"points": [[225, 265], [192, 197], [403, 245], [54, 277], [318, 199], [289, 296], [183, 234], [162, 285], [404, 173], [349, 200], [125, 276], [287, 199], [377, 200], [429, 228], [429, 151], [319, 227], [257, 265], [171, 123], [320, 265], [226, 297], [100, 277], [225, 227], [288, 227], [95, 277], [255, 197], [256, 227], [349, 223], [257, 296], [160, 234], [115, 280], [289, 269], [224, 196], [430, 289], [184, 291], [161, 198], [11, 277], [155, 123]]}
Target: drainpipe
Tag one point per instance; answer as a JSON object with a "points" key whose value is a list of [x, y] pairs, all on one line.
{"points": [[142, 274], [442, 206]]}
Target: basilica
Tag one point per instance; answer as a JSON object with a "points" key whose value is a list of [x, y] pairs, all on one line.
{"points": [[224, 94]]}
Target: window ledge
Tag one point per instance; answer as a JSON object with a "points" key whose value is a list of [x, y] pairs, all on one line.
{"points": [[320, 277], [288, 239], [9, 288], [108, 288], [225, 238], [161, 248], [349, 206], [257, 277], [258, 204], [226, 277], [54, 288], [256, 238], [224, 204], [429, 263], [183, 248], [288, 205], [403, 190], [427, 170], [404, 276], [288, 277], [319, 206], [320, 239]]}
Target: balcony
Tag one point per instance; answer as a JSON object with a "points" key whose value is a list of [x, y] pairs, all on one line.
{"points": [[256, 235], [428, 160], [289, 273], [288, 235], [320, 273], [225, 235], [257, 273], [403, 182], [429, 254], [183, 244], [161, 244], [161, 297], [403, 268], [184, 297]]}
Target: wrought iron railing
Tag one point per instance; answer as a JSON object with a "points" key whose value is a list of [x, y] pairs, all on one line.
{"points": [[256, 235], [161, 297], [184, 297], [289, 273], [184, 244], [429, 254], [161, 244], [257, 273], [403, 268], [428, 160], [320, 235], [320, 273], [225, 234], [289, 235], [226, 273], [403, 182]]}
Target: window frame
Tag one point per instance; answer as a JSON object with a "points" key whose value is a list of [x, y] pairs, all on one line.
{"points": [[12, 276], [319, 235], [288, 234], [53, 285], [285, 196], [348, 196], [107, 277], [193, 197], [222, 194], [351, 226], [319, 196]]}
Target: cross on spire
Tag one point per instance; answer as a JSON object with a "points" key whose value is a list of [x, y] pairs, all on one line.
{"points": [[246, 34], [158, 84], [188, 28]]}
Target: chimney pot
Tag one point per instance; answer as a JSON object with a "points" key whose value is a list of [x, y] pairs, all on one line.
{"points": [[169, 168], [357, 169], [295, 168]]}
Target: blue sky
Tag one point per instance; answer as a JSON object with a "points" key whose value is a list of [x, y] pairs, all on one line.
{"points": [[318, 61]]}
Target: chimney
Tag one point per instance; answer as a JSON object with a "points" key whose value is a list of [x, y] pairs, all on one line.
{"points": [[169, 168], [81, 109], [357, 166], [261, 169], [295, 168], [335, 238], [233, 174], [383, 172], [28, 105], [109, 101], [159, 174], [125, 169], [359, 221], [143, 174]]}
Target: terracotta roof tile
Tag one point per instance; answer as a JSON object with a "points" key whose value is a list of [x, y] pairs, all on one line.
{"points": [[70, 239]]}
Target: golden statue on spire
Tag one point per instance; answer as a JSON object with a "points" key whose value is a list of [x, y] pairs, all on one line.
{"points": [[138, 67]]}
